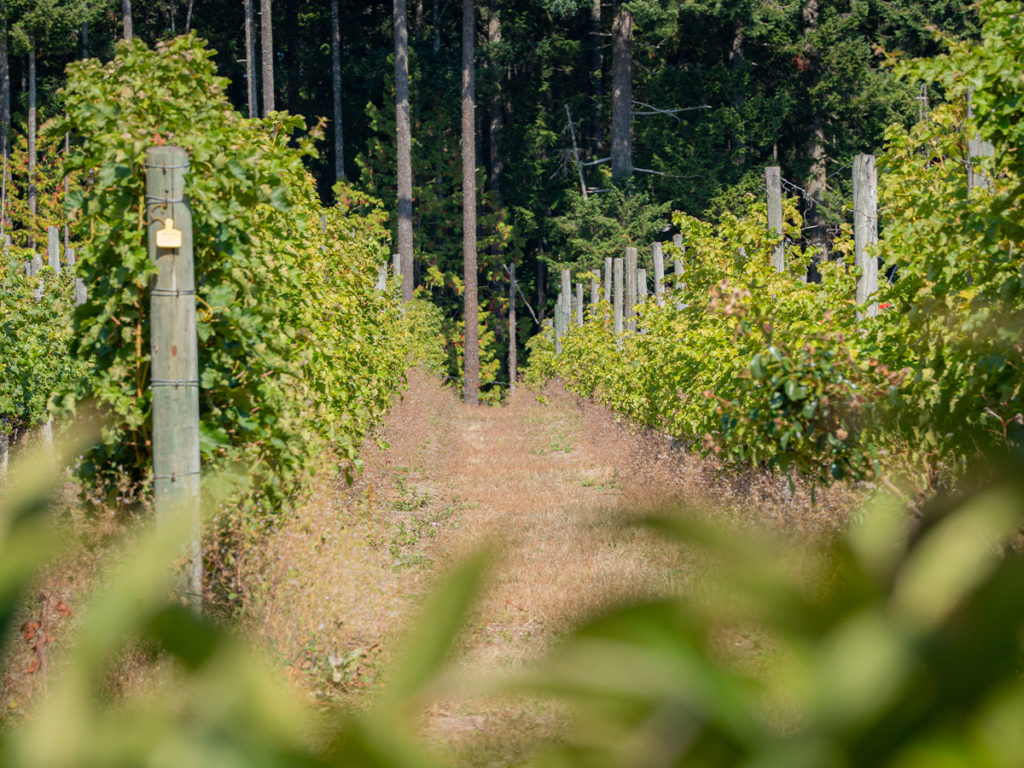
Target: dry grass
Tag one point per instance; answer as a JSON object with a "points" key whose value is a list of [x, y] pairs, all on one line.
{"points": [[556, 487]]}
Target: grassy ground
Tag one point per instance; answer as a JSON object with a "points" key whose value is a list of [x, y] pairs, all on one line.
{"points": [[553, 486]]}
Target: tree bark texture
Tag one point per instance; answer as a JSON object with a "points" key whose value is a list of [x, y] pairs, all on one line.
{"points": [[267, 55], [496, 121], [126, 19], [250, 59], [471, 386], [815, 186], [32, 203], [403, 139], [596, 127], [339, 145], [5, 95], [622, 93]]}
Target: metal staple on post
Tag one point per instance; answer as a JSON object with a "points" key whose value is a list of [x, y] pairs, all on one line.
{"points": [[174, 359]]}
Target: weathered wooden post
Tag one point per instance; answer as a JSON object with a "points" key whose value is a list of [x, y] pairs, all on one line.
{"points": [[658, 257], [617, 306], [174, 355], [641, 286], [512, 330], [976, 149], [773, 184], [559, 316], [865, 228], [53, 249], [382, 278], [81, 294], [595, 287], [579, 304], [678, 268], [396, 265], [630, 288], [608, 279]]}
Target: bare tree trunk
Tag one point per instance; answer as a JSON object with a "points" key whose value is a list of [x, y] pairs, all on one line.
{"points": [[471, 385], [188, 18], [5, 94], [622, 93], [404, 147], [339, 145], [437, 27], [126, 19], [596, 127], [495, 164], [738, 97], [267, 55], [419, 20], [85, 39], [172, 3], [814, 222], [250, 58], [32, 203]]}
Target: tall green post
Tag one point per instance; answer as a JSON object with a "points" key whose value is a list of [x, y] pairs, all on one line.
{"points": [[175, 364]]}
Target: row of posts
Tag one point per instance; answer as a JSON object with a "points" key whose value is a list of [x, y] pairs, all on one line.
{"points": [[625, 285], [53, 259], [32, 268]]}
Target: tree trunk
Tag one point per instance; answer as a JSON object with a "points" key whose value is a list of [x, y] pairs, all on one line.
{"points": [[738, 96], [250, 59], [339, 145], [436, 44], [596, 126], [404, 147], [32, 144], [622, 93], [471, 386], [495, 165], [5, 95], [85, 39], [267, 55], [126, 18], [170, 14], [814, 222]]}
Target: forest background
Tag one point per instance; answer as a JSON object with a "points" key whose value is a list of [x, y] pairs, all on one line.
{"points": [[718, 91]]}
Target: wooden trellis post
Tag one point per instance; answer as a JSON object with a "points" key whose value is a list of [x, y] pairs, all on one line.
{"points": [[630, 288], [579, 304], [608, 279], [641, 286], [617, 305], [773, 183], [174, 354], [659, 271], [559, 316], [53, 249], [865, 228], [512, 330]]}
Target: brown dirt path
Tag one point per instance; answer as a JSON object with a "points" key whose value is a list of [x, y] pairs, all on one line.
{"points": [[549, 481]]}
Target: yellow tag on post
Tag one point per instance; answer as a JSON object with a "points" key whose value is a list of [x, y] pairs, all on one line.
{"points": [[168, 237]]}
